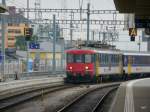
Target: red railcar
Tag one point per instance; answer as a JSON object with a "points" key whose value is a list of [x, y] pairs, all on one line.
{"points": [[80, 66]]}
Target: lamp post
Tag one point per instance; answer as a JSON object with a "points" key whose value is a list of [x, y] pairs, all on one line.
{"points": [[3, 10], [54, 44], [88, 23], [139, 43]]}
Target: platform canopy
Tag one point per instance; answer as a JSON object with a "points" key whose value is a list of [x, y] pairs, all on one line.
{"points": [[2, 9], [139, 7]]}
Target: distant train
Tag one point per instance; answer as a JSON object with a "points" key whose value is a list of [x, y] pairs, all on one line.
{"points": [[87, 65]]}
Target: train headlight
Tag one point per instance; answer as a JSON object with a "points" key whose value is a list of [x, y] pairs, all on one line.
{"points": [[70, 68], [86, 67]]}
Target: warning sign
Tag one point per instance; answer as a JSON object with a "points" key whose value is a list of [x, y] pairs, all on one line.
{"points": [[132, 31]]}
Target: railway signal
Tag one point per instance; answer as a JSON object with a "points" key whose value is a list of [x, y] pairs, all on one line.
{"points": [[132, 33], [132, 38], [28, 32]]}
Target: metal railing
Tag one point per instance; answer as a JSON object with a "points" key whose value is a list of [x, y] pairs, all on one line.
{"points": [[43, 68]]}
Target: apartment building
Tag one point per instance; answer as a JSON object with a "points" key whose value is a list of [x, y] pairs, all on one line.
{"points": [[13, 29]]}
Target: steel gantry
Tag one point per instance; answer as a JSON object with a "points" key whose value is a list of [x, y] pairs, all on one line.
{"points": [[19, 19], [92, 22], [68, 11]]}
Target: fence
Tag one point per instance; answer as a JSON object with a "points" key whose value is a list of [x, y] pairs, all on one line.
{"points": [[42, 66]]}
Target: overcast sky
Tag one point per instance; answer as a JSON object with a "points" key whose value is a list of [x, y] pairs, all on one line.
{"points": [[96, 4]]}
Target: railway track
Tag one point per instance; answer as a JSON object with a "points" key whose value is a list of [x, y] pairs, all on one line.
{"points": [[90, 101], [12, 101], [99, 105]]}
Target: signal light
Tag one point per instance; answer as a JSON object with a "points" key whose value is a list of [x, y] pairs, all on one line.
{"points": [[70, 68], [28, 32], [132, 38], [86, 67]]}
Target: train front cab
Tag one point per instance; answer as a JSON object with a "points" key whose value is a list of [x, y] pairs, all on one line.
{"points": [[80, 66]]}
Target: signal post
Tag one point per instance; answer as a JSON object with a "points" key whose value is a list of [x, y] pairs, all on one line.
{"points": [[28, 32], [132, 33]]}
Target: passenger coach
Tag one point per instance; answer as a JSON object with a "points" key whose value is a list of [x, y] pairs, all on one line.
{"points": [[136, 64]]}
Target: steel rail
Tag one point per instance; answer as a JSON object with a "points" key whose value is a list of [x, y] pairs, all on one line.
{"points": [[101, 101], [9, 102], [66, 107]]}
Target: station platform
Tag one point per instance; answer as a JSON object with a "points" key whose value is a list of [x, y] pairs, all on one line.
{"points": [[133, 96], [15, 87]]}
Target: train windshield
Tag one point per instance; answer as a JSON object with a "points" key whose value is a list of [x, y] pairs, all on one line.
{"points": [[70, 58], [88, 58], [79, 58]]}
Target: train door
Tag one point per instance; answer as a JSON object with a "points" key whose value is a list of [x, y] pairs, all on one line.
{"points": [[97, 65], [129, 65], [109, 62], [121, 64]]}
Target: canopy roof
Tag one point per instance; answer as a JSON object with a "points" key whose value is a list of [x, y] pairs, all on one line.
{"points": [[139, 7], [2, 9]]}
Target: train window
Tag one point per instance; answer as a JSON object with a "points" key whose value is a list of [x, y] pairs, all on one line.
{"points": [[112, 59], [117, 59], [107, 58], [79, 59], [141, 60], [70, 58], [133, 60], [103, 59], [125, 60], [100, 58], [88, 58]]}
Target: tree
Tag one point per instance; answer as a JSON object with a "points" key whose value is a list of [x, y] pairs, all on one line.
{"points": [[34, 38], [21, 42]]}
